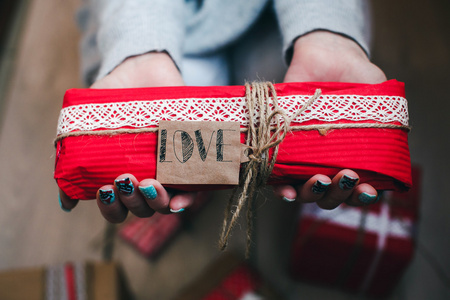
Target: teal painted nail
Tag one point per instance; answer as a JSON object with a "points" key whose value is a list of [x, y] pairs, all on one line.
{"points": [[288, 199], [176, 210], [347, 182], [320, 187], [367, 198], [62, 207], [380, 194], [107, 196], [149, 192], [125, 186]]}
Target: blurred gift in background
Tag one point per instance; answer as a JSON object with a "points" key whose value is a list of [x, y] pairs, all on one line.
{"points": [[361, 249]]}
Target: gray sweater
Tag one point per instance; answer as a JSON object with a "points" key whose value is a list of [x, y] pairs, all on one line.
{"points": [[116, 29]]}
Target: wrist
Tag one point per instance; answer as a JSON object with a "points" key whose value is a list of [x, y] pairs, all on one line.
{"points": [[329, 42], [146, 70], [326, 56]]}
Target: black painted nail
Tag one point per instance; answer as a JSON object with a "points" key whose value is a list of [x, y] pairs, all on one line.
{"points": [[347, 182], [320, 187], [107, 196], [367, 198], [125, 186]]}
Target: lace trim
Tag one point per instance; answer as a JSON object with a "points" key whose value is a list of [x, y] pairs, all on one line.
{"points": [[142, 114]]}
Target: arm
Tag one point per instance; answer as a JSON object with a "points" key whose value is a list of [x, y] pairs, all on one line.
{"points": [[327, 41], [138, 44], [114, 30]]}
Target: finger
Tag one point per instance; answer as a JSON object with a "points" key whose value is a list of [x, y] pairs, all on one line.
{"points": [[314, 189], [155, 195], [181, 201], [65, 202], [363, 194], [134, 201], [341, 188], [110, 206], [285, 192]]}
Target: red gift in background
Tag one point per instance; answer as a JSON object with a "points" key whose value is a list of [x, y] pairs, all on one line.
{"points": [[150, 235], [228, 278], [100, 131], [360, 249]]}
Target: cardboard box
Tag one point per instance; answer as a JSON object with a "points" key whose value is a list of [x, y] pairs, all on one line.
{"points": [[78, 281]]}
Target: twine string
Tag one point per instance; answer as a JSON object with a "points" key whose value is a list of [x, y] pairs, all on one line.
{"points": [[261, 137], [321, 128]]}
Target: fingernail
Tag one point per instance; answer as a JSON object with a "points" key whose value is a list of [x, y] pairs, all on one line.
{"points": [[149, 192], [367, 198], [288, 199], [61, 205], [380, 194], [176, 210], [107, 196], [320, 187], [347, 182], [125, 186]]}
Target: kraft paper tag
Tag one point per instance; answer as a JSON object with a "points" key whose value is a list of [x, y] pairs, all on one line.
{"points": [[192, 152]]}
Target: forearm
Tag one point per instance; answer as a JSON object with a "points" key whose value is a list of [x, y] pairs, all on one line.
{"points": [[348, 18], [145, 70], [132, 28]]}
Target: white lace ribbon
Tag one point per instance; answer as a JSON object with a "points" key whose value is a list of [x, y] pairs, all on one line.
{"points": [[143, 114]]}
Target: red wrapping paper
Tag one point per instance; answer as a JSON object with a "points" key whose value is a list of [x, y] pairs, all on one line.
{"points": [[228, 278], [150, 235], [379, 155], [369, 250], [241, 284]]}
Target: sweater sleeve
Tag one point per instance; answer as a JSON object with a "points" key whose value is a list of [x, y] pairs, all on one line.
{"points": [[134, 27], [350, 18]]}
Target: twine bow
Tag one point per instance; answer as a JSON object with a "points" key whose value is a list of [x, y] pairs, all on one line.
{"points": [[260, 138]]}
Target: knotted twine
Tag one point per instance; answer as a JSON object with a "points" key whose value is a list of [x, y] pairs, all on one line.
{"points": [[261, 137]]}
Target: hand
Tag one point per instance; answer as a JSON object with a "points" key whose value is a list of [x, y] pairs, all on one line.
{"points": [[325, 56], [126, 193]]}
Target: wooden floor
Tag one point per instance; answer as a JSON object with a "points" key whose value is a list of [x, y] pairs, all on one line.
{"points": [[411, 44]]}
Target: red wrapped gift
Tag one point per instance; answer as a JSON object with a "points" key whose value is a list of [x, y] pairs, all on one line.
{"points": [[363, 250], [228, 279], [89, 154], [150, 235], [241, 283]]}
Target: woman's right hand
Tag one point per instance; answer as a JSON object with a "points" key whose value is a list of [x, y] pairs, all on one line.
{"points": [[126, 193]]}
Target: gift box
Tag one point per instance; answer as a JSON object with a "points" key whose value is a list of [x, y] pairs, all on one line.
{"points": [[105, 133], [150, 235], [359, 249], [69, 281], [228, 278]]}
